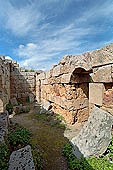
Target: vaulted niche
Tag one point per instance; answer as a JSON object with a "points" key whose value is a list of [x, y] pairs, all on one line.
{"points": [[80, 82]]}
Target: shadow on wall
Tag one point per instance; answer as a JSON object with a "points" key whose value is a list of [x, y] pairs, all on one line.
{"points": [[82, 78]]}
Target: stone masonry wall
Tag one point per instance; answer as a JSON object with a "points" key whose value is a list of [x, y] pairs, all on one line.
{"points": [[22, 83], [66, 85], [4, 82], [15, 82]]}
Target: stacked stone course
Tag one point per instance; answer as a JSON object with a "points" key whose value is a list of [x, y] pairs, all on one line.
{"points": [[73, 86], [22, 83], [14, 82]]}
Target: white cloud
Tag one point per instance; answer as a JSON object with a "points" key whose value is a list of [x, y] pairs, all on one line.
{"points": [[47, 40], [59, 41], [8, 58], [20, 20]]}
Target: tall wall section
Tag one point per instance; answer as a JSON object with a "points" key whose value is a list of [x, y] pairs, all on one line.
{"points": [[22, 83], [15, 82], [4, 82], [66, 91]]}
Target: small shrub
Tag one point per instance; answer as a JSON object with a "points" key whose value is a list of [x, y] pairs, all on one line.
{"points": [[43, 117], [110, 150], [27, 70], [27, 110], [92, 163], [19, 136], [37, 158], [9, 108], [4, 156], [59, 117], [58, 124]]}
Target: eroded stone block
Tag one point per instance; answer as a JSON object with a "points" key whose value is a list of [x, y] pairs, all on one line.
{"points": [[95, 135], [21, 159], [96, 93]]}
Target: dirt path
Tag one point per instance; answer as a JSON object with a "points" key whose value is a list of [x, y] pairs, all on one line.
{"points": [[50, 140]]}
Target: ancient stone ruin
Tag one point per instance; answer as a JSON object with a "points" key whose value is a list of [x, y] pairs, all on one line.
{"points": [[78, 87]]}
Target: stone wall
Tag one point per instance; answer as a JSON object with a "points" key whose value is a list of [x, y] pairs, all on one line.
{"points": [[4, 82], [66, 86], [22, 83], [15, 82], [72, 87]]}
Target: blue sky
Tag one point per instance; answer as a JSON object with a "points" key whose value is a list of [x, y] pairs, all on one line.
{"points": [[38, 33]]}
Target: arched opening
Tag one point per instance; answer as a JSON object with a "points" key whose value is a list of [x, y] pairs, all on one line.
{"points": [[80, 75]]}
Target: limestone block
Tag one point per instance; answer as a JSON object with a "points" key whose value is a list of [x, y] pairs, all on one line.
{"points": [[56, 71], [66, 78], [48, 74], [47, 105], [102, 56], [96, 93], [41, 76], [44, 81], [21, 159], [103, 74], [80, 103], [83, 115], [95, 135]]}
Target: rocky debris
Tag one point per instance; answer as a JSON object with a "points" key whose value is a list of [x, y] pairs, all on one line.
{"points": [[50, 112], [95, 135], [3, 125], [43, 111], [13, 101], [47, 105], [21, 159]]}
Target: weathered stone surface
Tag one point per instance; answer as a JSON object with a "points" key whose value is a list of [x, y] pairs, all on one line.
{"points": [[42, 76], [102, 74], [96, 93], [3, 125], [14, 102], [95, 135], [31, 98], [108, 95], [21, 159], [65, 78], [46, 105], [83, 115], [56, 71], [102, 56]]}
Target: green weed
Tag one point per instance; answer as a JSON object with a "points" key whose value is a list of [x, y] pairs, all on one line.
{"points": [[92, 163]]}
